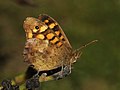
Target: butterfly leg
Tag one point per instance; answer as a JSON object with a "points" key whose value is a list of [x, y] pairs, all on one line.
{"points": [[65, 71]]}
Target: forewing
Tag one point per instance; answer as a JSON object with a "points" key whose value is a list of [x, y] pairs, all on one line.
{"points": [[53, 25]]}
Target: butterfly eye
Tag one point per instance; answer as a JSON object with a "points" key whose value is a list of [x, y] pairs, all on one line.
{"points": [[36, 27]]}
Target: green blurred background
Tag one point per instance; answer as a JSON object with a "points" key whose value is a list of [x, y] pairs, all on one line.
{"points": [[82, 21]]}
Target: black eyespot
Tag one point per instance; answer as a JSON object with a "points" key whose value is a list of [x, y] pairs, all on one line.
{"points": [[36, 27]]}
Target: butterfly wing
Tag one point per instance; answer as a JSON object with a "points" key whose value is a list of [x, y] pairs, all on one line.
{"points": [[53, 25], [47, 46]]}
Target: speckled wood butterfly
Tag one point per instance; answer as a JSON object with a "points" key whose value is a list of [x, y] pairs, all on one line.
{"points": [[47, 49]]}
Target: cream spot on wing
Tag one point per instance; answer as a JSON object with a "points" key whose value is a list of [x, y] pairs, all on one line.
{"points": [[40, 36], [29, 35], [35, 30], [52, 25], [57, 32], [43, 28], [59, 44], [61, 37], [50, 36], [46, 21], [54, 40]]}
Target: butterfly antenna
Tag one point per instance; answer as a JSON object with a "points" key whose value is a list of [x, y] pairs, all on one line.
{"points": [[83, 46], [77, 53]]}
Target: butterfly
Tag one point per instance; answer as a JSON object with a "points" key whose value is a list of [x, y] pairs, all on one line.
{"points": [[47, 50]]}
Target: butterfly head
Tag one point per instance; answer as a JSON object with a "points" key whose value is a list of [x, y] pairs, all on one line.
{"points": [[34, 27]]}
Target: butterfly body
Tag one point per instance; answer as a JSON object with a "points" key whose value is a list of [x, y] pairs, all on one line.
{"points": [[47, 47]]}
